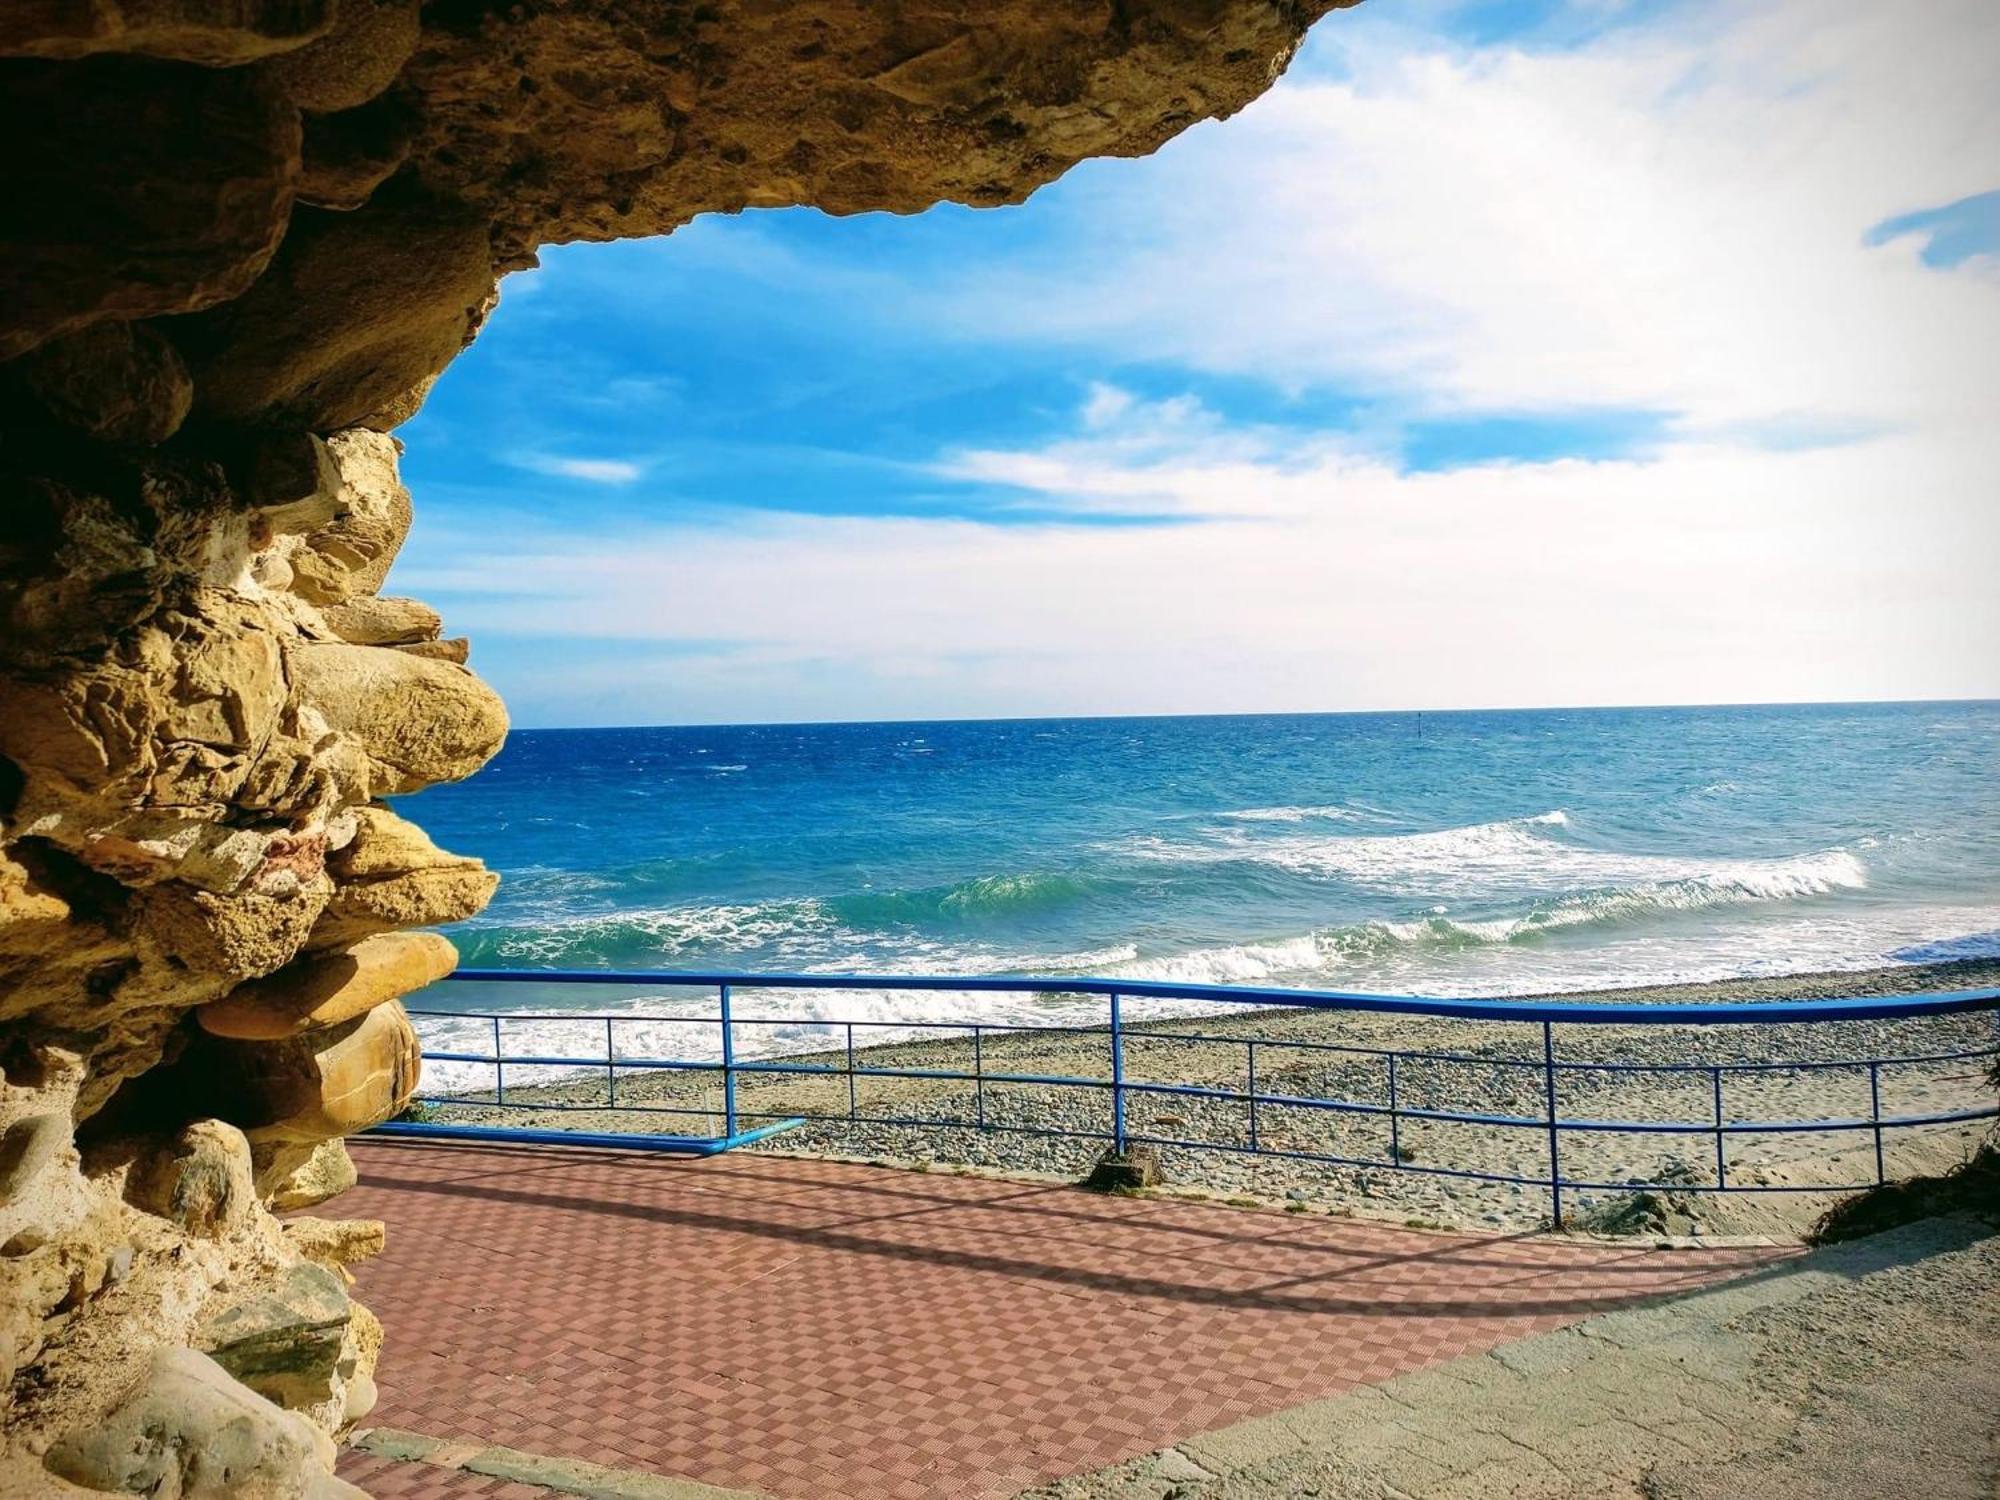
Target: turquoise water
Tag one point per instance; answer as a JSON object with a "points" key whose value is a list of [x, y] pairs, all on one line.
{"points": [[1460, 853]]}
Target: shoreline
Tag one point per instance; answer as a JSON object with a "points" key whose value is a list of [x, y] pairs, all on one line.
{"points": [[1000, 1126]]}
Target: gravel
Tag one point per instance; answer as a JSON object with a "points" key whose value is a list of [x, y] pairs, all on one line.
{"points": [[1012, 1128]]}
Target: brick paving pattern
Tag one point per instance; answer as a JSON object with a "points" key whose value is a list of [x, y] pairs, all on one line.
{"points": [[389, 1479], [808, 1328]]}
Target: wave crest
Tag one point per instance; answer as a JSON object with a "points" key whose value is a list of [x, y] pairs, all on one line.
{"points": [[969, 900], [1536, 856], [652, 934], [1331, 948]]}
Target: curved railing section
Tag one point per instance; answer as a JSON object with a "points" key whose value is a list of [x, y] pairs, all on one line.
{"points": [[1564, 1075]]}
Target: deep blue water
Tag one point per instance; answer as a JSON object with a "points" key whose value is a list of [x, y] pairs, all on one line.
{"points": [[1463, 853]]}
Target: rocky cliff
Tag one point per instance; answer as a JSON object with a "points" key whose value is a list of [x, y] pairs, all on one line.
{"points": [[241, 239]]}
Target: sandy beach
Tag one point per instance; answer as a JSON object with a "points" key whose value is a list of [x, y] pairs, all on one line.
{"points": [[1462, 1066]]}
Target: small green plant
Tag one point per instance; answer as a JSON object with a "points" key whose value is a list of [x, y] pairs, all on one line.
{"points": [[1296, 1207], [416, 1112]]}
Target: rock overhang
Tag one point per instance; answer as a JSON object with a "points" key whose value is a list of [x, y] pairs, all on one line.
{"points": [[313, 199]]}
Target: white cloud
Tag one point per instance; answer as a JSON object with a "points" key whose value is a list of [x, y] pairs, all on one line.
{"points": [[591, 470], [1168, 458], [1719, 574], [1669, 218]]}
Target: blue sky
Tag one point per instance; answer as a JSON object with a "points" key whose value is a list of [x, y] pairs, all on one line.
{"points": [[1510, 351]]}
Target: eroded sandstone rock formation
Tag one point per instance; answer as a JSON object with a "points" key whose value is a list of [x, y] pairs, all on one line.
{"points": [[241, 239]]}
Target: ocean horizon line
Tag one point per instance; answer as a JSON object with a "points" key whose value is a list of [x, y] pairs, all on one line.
{"points": [[1289, 713]]}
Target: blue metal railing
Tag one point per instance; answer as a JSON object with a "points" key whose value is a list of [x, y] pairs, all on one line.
{"points": [[1118, 1032]]}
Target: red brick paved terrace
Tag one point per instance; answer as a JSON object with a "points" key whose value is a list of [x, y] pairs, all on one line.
{"points": [[806, 1328]]}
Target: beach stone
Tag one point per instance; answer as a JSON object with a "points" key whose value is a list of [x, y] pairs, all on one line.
{"points": [[378, 620], [1135, 1167], [359, 1399], [324, 989], [200, 1181], [186, 1429], [121, 383], [326, 1173], [284, 1341], [418, 721], [316, 1086]]}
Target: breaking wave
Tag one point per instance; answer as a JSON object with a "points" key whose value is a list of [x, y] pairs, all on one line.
{"points": [[970, 900], [642, 937], [1520, 855], [1334, 948]]}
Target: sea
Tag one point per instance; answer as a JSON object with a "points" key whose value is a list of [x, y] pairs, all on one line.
{"points": [[1474, 853]]}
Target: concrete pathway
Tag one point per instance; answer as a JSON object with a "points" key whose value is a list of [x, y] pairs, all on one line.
{"points": [[802, 1328], [1871, 1369]]}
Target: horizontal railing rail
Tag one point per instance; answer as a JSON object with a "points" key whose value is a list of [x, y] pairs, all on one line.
{"points": [[850, 1060]]}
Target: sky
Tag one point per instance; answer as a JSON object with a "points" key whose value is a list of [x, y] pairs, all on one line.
{"points": [[1507, 353]]}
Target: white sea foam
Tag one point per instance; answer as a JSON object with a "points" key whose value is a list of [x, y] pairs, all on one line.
{"points": [[680, 1025], [1517, 855], [667, 932], [1415, 957], [1436, 955]]}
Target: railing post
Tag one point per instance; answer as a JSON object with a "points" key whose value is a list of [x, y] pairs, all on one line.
{"points": [[610, 1064], [1395, 1120], [979, 1077], [1721, 1162], [1555, 1148], [852, 1113], [1117, 1079], [1875, 1116], [728, 1068], [1251, 1073], [499, 1067]]}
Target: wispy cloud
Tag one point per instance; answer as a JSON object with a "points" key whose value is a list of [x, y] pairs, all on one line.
{"points": [[1667, 217], [591, 470], [1173, 459]]}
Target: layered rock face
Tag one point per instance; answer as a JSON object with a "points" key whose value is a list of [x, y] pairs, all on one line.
{"points": [[239, 242]]}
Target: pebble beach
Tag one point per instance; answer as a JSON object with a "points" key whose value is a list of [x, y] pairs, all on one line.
{"points": [[1353, 1162]]}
